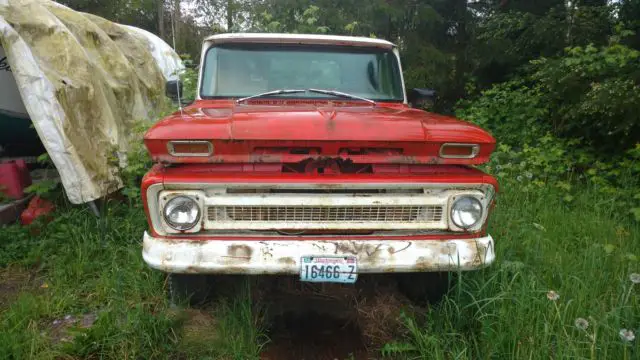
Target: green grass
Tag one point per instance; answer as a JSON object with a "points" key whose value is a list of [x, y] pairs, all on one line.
{"points": [[583, 250], [85, 265]]}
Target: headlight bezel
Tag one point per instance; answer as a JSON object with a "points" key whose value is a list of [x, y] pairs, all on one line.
{"points": [[165, 197], [174, 203], [481, 199]]}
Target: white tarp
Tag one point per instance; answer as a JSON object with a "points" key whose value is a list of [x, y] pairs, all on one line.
{"points": [[85, 82]]}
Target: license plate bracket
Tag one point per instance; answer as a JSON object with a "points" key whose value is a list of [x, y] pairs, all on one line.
{"points": [[336, 269]]}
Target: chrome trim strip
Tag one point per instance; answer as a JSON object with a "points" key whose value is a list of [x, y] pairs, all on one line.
{"points": [[172, 151], [475, 149]]}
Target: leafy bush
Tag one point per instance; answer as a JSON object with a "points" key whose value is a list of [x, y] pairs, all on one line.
{"points": [[593, 94], [570, 118]]}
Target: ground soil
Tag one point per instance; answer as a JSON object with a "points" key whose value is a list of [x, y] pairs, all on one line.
{"points": [[14, 280], [331, 321]]}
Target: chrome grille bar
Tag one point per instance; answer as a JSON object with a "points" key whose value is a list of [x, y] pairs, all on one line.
{"points": [[422, 214]]}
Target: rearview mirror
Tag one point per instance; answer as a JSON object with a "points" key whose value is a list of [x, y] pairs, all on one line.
{"points": [[173, 90], [422, 97]]}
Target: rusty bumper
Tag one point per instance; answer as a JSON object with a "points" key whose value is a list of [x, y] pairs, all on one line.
{"points": [[283, 256]]}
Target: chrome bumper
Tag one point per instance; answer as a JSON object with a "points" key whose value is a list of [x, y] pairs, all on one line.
{"points": [[283, 256]]}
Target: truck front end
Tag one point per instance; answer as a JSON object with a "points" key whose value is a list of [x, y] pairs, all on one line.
{"points": [[334, 177]]}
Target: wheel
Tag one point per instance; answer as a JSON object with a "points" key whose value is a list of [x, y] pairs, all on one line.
{"points": [[189, 289], [425, 288]]}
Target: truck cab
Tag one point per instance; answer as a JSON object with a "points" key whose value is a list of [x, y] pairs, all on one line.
{"points": [[302, 155]]}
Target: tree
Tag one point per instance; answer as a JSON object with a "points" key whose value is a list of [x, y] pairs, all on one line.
{"points": [[160, 18]]}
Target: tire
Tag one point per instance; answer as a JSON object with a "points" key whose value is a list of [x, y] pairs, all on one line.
{"points": [[425, 288], [189, 289]]}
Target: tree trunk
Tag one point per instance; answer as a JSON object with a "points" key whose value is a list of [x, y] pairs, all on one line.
{"points": [[177, 22], [160, 16], [229, 15], [462, 40]]}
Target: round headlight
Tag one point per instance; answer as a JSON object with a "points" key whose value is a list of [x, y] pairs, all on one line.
{"points": [[466, 212], [181, 213]]}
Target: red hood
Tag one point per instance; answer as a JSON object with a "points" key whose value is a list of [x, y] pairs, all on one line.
{"points": [[306, 124]]}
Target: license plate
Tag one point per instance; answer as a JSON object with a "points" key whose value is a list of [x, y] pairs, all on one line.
{"points": [[338, 269]]}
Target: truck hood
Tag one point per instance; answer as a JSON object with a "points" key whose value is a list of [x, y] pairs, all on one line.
{"points": [[310, 125], [315, 123]]}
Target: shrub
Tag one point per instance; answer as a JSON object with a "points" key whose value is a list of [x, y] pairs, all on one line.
{"points": [[572, 118], [593, 94]]}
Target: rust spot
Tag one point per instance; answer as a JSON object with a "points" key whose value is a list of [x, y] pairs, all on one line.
{"points": [[450, 249], [434, 161], [233, 270], [191, 270], [425, 263], [481, 255], [287, 261], [241, 252]]}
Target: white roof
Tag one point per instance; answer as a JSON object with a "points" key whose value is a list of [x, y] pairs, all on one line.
{"points": [[271, 38]]}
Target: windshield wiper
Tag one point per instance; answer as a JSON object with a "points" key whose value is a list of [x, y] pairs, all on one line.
{"points": [[272, 92], [341, 94]]}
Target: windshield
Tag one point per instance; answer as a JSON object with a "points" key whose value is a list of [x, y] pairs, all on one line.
{"points": [[240, 70]]}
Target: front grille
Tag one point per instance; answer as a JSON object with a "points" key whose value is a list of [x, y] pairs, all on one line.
{"points": [[326, 214]]}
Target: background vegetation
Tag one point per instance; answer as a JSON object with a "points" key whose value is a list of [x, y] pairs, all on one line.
{"points": [[556, 82]]}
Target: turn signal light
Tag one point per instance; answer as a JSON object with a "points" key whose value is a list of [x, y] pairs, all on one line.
{"points": [[459, 151], [190, 148]]}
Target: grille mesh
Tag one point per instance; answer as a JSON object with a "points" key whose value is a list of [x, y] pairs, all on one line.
{"points": [[326, 214]]}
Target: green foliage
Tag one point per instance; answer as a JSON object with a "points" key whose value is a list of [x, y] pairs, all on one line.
{"points": [[594, 94], [507, 40], [138, 162], [305, 22], [45, 188], [543, 243], [189, 78], [568, 118], [42, 188], [79, 264]]}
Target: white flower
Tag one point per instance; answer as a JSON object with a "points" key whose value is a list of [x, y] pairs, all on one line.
{"points": [[627, 335], [582, 324], [552, 295], [635, 278], [539, 227]]}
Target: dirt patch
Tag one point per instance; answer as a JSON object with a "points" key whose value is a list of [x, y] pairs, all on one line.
{"points": [[314, 335], [60, 329], [330, 321], [198, 327], [13, 281]]}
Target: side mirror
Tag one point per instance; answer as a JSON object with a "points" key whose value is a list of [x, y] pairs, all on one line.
{"points": [[422, 97], [172, 89]]}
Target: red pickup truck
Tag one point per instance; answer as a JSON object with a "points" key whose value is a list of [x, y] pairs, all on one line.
{"points": [[303, 154]]}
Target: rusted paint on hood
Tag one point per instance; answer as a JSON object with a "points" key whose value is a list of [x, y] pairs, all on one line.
{"points": [[261, 133], [224, 120]]}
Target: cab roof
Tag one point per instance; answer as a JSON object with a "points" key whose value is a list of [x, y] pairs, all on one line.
{"points": [[270, 38]]}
